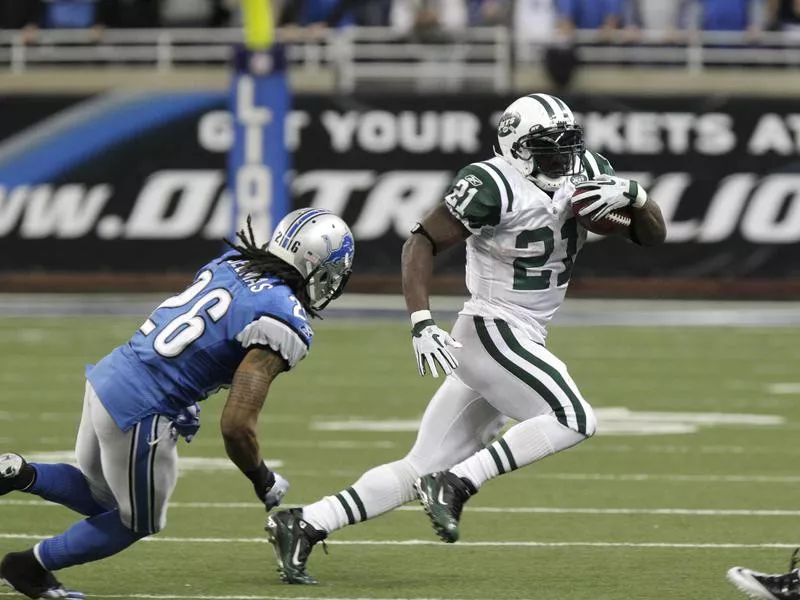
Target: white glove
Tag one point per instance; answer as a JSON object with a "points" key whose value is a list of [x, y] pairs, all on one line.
{"points": [[608, 194], [276, 493], [432, 345]]}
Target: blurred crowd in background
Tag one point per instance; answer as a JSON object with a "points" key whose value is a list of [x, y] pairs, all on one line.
{"points": [[530, 19]]}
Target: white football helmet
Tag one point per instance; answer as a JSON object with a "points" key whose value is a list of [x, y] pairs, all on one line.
{"points": [[320, 246], [538, 136]]}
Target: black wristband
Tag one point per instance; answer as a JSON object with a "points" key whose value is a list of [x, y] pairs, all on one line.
{"points": [[420, 230], [418, 327], [263, 479]]}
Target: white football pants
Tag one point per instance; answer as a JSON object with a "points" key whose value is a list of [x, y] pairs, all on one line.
{"points": [[502, 373], [134, 470]]}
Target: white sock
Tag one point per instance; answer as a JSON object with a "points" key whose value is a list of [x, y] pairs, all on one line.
{"points": [[523, 444], [379, 490]]}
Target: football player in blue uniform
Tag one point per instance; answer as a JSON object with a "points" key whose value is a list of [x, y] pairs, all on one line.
{"points": [[243, 321]]}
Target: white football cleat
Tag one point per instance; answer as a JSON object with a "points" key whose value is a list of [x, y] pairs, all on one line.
{"points": [[15, 473], [768, 586]]}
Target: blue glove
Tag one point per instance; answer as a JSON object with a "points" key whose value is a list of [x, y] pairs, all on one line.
{"points": [[187, 423]]}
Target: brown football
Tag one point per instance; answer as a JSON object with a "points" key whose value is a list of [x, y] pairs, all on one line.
{"points": [[617, 222]]}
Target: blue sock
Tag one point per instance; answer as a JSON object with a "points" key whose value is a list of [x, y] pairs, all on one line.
{"points": [[65, 485], [98, 537]]}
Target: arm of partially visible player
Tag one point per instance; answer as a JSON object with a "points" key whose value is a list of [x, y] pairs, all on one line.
{"points": [[438, 231], [239, 422], [647, 225]]}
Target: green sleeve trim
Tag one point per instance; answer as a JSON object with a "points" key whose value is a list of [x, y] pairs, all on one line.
{"points": [[506, 186], [474, 198], [596, 164]]}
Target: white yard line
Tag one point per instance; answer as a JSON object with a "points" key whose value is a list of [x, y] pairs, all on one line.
{"points": [[626, 477], [784, 388], [223, 466], [703, 478], [485, 544], [544, 510]]}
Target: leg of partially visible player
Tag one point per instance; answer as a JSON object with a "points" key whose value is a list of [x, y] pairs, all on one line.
{"points": [[138, 468], [769, 586], [524, 381], [81, 489], [457, 422]]}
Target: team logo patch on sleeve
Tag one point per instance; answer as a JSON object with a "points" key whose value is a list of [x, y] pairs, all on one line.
{"points": [[473, 180]]}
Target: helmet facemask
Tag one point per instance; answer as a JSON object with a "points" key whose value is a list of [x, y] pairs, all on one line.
{"points": [[326, 283], [554, 153]]}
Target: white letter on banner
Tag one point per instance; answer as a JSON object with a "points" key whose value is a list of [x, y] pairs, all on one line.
{"points": [[195, 192], [726, 207], [771, 135], [399, 199], [215, 131], [773, 216], [341, 128]]}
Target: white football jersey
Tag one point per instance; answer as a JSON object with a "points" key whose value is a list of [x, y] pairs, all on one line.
{"points": [[524, 242]]}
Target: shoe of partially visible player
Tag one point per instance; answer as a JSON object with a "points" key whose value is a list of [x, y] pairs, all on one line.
{"points": [[293, 539], [22, 573], [15, 473], [443, 495], [765, 586]]}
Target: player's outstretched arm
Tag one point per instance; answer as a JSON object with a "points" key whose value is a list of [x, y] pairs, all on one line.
{"points": [[647, 225], [438, 231], [239, 421]]}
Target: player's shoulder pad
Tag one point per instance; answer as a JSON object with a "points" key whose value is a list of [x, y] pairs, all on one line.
{"points": [[595, 164], [281, 323], [478, 195], [214, 263]]}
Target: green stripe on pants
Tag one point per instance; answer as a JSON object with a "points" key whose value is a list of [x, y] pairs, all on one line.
{"points": [[517, 348], [519, 372]]}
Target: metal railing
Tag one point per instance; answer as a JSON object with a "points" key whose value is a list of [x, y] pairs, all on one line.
{"points": [[481, 56]]}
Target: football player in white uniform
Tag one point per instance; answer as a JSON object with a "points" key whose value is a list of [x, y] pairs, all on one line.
{"points": [[522, 238]]}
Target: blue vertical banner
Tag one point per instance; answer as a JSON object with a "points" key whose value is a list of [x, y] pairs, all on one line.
{"points": [[258, 161]]}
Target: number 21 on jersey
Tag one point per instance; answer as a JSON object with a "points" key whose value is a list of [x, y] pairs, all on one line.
{"points": [[526, 274]]}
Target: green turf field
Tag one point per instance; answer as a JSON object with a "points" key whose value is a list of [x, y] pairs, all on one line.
{"points": [[563, 535]]}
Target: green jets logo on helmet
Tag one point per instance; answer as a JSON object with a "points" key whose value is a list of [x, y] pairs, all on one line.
{"points": [[508, 123]]}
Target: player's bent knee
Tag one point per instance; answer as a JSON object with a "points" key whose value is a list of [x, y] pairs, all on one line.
{"points": [[144, 524]]}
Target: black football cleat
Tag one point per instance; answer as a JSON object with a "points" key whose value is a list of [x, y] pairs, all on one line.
{"points": [[766, 586], [443, 495], [293, 539], [22, 573], [15, 473]]}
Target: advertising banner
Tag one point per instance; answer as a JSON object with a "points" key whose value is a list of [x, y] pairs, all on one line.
{"points": [[136, 182]]}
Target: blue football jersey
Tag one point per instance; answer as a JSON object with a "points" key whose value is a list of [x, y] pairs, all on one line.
{"points": [[192, 343]]}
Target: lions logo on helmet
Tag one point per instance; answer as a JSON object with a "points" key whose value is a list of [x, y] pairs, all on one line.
{"points": [[320, 246], [539, 137]]}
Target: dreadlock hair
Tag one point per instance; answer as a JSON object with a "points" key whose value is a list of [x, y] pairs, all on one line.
{"points": [[265, 263]]}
